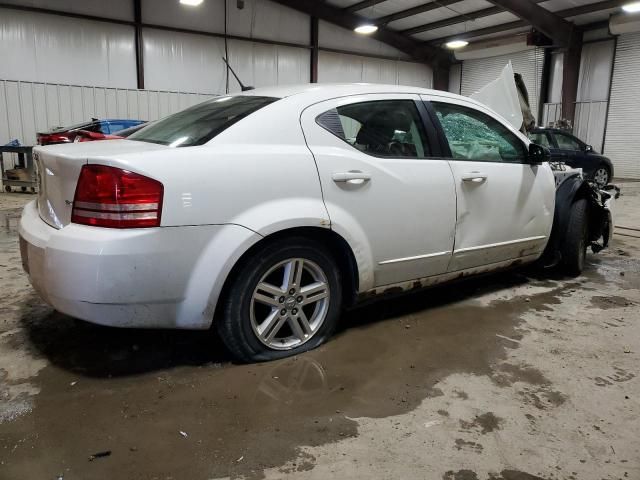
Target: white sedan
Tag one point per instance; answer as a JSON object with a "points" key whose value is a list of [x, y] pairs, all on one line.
{"points": [[263, 214]]}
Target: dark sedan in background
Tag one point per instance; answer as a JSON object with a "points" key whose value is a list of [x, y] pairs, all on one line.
{"points": [[569, 149]]}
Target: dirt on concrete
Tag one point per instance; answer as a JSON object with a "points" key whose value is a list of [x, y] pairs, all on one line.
{"points": [[515, 376]]}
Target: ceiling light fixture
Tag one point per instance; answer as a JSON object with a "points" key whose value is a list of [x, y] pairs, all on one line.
{"points": [[631, 7], [191, 3], [456, 44], [366, 29]]}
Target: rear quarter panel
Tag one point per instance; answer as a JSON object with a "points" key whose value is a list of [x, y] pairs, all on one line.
{"points": [[259, 173]]}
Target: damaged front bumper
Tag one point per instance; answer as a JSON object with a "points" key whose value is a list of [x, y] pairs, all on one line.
{"points": [[601, 223]]}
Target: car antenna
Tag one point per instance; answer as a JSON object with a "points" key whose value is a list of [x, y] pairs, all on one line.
{"points": [[243, 87]]}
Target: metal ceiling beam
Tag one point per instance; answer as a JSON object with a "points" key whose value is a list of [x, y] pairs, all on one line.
{"points": [[447, 22], [566, 13], [591, 8], [547, 22], [415, 49], [410, 12], [362, 5], [503, 27]]}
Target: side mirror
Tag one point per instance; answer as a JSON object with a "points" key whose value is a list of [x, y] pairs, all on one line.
{"points": [[588, 148], [538, 154]]}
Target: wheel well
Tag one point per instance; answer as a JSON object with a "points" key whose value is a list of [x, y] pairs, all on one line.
{"points": [[337, 246]]}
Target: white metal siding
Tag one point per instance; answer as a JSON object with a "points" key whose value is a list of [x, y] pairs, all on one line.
{"points": [[337, 67], [258, 19], [30, 107], [181, 61], [529, 63], [593, 92], [261, 65], [118, 9], [338, 38], [621, 141], [50, 48]]}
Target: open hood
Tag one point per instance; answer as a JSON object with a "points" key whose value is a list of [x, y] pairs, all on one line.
{"points": [[507, 98]]}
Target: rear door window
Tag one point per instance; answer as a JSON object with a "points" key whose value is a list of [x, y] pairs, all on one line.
{"points": [[381, 128], [199, 124]]}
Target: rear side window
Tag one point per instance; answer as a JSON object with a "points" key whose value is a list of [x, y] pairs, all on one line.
{"points": [[199, 124], [473, 135], [383, 128]]}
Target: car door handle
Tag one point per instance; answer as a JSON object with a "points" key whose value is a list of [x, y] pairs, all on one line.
{"points": [[353, 177], [474, 177]]}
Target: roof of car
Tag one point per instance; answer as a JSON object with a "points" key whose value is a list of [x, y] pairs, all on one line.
{"points": [[120, 120], [330, 90], [549, 129]]}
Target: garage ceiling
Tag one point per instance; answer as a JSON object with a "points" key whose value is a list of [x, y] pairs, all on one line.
{"points": [[435, 22]]}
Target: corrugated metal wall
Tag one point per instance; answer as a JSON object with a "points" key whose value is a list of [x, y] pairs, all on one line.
{"points": [[593, 92], [621, 144], [529, 63], [47, 48], [337, 67], [30, 107], [333, 37]]}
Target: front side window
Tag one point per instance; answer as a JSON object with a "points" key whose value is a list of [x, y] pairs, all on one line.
{"points": [[540, 138], [473, 135], [565, 142], [382, 128], [199, 124]]}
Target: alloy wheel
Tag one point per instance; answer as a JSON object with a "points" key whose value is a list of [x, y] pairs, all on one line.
{"points": [[601, 176], [289, 304]]}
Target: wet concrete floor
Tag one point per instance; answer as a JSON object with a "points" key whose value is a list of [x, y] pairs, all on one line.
{"points": [[513, 376]]}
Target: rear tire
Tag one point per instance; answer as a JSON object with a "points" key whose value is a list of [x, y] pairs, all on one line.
{"points": [[574, 247], [283, 299]]}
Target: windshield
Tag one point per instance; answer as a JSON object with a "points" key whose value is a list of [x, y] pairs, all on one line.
{"points": [[199, 124]]}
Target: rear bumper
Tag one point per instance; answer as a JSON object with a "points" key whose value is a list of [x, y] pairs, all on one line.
{"points": [[167, 277]]}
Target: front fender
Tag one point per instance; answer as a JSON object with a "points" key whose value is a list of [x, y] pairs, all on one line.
{"points": [[569, 188]]}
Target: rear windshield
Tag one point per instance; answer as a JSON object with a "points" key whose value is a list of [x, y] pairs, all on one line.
{"points": [[77, 126], [199, 124]]}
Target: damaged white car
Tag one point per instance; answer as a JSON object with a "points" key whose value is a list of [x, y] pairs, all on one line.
{"points": [[264, 214]]}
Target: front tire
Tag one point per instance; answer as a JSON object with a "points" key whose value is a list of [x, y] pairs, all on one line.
{"points": [[601, 176], [574, 247], [283, 299]]}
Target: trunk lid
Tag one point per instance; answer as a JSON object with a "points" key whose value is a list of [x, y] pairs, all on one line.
{"points": [[59, 168]]}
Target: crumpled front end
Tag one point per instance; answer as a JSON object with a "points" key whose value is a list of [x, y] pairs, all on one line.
{"points": [[570, 185], [602, 222]]}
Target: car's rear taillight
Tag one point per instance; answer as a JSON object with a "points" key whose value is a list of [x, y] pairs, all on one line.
{"points": [[52, 139], [116, 198]]}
